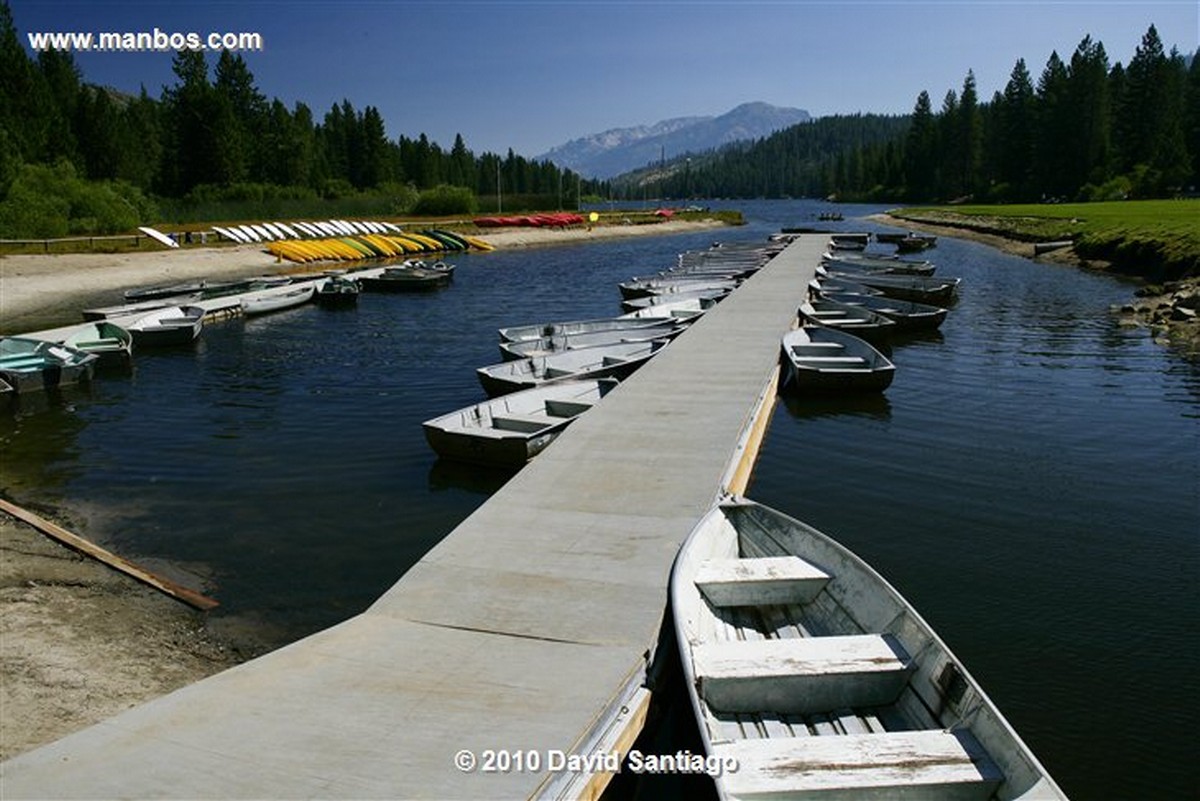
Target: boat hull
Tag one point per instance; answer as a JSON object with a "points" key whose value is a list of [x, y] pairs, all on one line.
{"points": [[821, 359], [110, 343], [276, 300], [406, 280], [29, 365], [168, 327], [812, 673], [509, 431], [609, 361]]}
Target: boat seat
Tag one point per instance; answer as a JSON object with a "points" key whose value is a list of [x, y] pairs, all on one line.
{"points": [[565, 408], [21, 362], [766, 581], [823, 313], [558, 372], [929, 764], [107, 342], [613, 361], [801, 676], [519, 422], [833, 360]]}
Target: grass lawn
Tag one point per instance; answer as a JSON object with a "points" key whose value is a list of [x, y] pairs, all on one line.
{"points": [[1143, 236]]}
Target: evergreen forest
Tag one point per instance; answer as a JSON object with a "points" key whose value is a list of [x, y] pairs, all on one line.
{"points": [[77, 158]]}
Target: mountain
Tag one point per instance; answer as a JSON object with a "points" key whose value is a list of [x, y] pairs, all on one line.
{"points": [[620, 150]]}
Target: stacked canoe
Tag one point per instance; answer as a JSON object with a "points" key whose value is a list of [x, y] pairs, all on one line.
{"points": [[374, 245]]}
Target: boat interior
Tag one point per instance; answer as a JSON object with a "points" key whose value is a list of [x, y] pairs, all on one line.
{"points": [[819, 679]]}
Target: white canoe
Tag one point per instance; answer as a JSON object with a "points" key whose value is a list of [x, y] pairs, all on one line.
{"points": [[270, 300], [816, 679]]}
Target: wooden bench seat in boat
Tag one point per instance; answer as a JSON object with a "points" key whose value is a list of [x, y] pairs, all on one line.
{"points": [[759, 582], [801, 676], [931, 764]]}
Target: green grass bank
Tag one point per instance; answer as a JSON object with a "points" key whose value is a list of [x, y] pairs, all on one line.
{"points": [[1158, 240]]}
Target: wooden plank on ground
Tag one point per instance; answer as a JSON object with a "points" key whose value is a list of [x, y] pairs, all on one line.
{"points": [[176, 591]]}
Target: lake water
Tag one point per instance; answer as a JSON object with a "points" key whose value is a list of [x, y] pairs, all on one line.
{"points": [[1030, 481]]}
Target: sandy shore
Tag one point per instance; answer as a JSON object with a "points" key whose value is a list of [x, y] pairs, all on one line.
{"points": [[80, 642], [40, 291]]}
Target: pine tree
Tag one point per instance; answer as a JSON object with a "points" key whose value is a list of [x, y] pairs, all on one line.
{"points": [[1015, 138], [970, 136], [1053, 132], [1087, 104], [921, 151]]}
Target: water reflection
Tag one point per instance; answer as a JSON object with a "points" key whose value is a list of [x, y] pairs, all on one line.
{"points": [[475, 479], [875, 406]]}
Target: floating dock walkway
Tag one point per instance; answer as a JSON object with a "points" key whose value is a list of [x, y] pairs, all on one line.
{"points": [[525, 630]]}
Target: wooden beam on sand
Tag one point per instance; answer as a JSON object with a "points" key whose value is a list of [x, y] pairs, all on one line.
{"points": [[176, 591]]}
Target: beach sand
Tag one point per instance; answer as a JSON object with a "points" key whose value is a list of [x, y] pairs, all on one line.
{"points": [[80, 642], [45, 291]]}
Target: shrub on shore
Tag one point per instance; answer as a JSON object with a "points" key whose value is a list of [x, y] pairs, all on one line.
{"points": [[46, 201]]}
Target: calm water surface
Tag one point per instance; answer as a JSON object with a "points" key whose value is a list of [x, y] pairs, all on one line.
{"points": [[1031, 481]]}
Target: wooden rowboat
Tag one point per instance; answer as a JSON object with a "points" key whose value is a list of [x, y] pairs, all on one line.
{"points": [[824, 359], [812, 677]]}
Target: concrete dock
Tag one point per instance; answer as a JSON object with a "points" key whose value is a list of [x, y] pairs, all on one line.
{"points": [[526, 630]]}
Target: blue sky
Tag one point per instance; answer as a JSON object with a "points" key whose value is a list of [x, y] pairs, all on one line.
{"points": [[531, 75]]}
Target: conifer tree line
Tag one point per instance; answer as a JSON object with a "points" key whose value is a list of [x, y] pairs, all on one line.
{"points": [[210, 135], [1084, 129]]}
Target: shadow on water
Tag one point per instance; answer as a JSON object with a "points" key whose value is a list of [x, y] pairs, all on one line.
{"points": [[874, 405], [475, 479]]}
